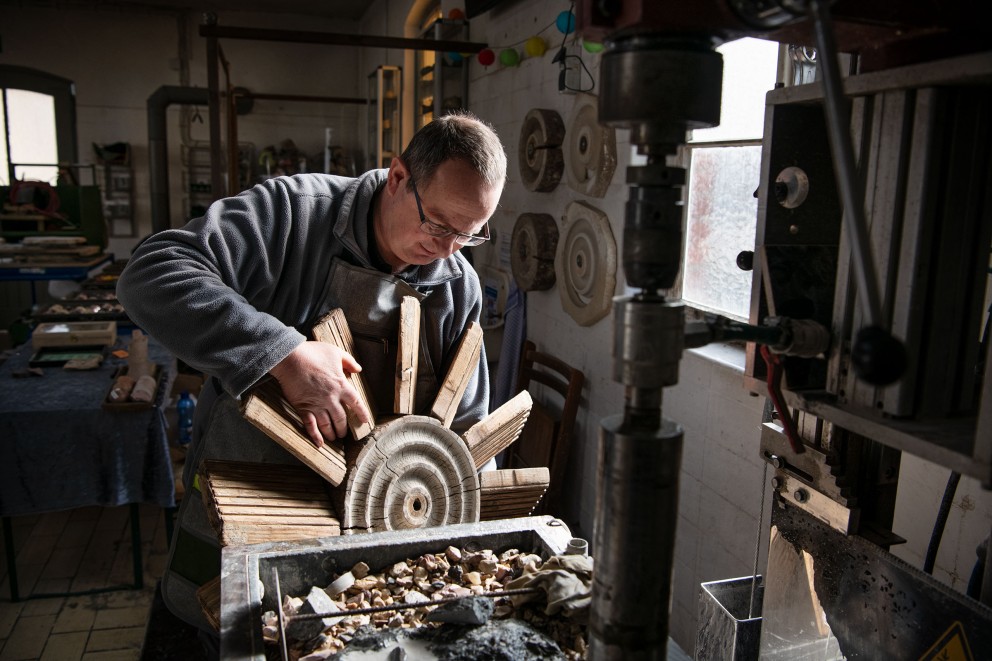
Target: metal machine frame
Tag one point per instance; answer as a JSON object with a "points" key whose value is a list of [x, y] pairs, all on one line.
{"points": [[852, 293]]}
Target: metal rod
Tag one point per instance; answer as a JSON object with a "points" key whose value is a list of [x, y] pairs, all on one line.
{"points": [[422, 604], [838, 130], [757, 541], [339, 39], [213, 85], [301, 97], [280, 615], [136, 566]]}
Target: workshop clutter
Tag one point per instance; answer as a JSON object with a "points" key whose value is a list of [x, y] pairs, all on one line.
{"points": [[288, 159], [192, 383], [135, 385]]}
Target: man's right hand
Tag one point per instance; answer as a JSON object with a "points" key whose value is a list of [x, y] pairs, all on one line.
{"points": [[314, 378]]}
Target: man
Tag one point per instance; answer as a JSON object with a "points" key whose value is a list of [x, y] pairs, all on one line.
{"points": [[235, 293]]}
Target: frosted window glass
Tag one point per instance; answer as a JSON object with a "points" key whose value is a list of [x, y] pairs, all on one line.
{"points": [[720, 223], [31, 117], [749, 71]]}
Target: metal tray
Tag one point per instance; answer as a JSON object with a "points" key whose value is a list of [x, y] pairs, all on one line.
{"points": [[248, 589]]}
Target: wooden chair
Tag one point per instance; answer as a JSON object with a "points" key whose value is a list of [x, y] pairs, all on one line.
{"points": [[547, 437]]}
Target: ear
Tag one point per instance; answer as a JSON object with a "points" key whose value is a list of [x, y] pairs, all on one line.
{"points": [[397, 177]]}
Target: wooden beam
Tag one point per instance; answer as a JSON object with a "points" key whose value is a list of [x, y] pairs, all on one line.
{"points": [[456, 381], [407, 356], [497, 431], [300, 97], [339, 39], [333, 329]]}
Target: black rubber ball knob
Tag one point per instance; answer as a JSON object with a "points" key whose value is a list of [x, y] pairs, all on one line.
{"points": [[877, 357]]}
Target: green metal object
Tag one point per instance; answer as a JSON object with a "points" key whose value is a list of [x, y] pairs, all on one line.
{"points": [[80, 205]]}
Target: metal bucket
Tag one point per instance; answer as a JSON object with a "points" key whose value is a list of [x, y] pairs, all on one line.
{"points": [[724, 632]]}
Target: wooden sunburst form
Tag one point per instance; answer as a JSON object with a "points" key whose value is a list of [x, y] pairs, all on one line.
{"points": [[409, 471]]}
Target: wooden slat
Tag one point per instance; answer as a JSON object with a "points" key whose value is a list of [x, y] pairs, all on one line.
{"points": [[267, 409], [407, 356], [511, 493], [333, 329], [238, 536], [241, 501], [497, 431], [271, 515], [456, 380], [526, 501], [514, 478]]}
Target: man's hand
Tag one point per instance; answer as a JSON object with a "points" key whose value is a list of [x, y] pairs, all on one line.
{"points": [[314, 378]]}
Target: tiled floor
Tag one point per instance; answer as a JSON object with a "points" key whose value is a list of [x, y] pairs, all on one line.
{"points": [[82, 549]]}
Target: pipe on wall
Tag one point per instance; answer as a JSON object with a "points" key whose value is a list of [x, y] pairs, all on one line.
{"points": [[158, 148]]}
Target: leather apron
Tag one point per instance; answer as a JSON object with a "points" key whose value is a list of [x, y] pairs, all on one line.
{"points": [[371, 303]]}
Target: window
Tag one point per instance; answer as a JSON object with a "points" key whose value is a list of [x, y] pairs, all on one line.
{"points": [[38, 124], [723, 169]]}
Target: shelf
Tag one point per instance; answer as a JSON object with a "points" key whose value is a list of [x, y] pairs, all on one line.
{"points": [[438, 79], [384, 118]]}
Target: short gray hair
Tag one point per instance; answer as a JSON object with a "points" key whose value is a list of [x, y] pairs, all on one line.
{"points": [[458, 135]]}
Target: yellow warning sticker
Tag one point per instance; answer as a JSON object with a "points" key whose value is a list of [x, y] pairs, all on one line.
{"points": [[952, 646]]}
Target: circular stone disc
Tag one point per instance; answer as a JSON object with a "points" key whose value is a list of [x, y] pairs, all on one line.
{"points": [[586, 263], [411, 473], [539, 150], [532, 251], [590, 149]]}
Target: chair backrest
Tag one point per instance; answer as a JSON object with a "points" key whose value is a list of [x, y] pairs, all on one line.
{"points": [[547, 437]]}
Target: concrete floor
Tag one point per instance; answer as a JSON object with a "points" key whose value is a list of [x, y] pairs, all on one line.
{"points": [[78, 550]]}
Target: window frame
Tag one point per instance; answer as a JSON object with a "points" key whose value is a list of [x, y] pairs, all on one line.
{"points": [[683, 159], [63, 92]]}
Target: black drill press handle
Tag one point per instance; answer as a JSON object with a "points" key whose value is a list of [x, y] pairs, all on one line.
{"points": [[878, 358]]}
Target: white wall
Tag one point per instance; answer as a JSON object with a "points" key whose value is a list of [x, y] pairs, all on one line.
{"points": [[503, 96]]}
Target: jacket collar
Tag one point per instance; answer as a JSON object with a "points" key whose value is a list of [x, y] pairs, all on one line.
{"points": [[351, 229]]}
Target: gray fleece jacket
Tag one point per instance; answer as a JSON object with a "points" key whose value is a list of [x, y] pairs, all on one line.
{"points": [[234, 292]]}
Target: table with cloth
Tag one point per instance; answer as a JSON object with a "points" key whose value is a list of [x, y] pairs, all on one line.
{"points": [[62, 449]]}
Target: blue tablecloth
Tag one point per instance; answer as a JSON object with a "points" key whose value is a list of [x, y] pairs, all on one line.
{"points": [[61, 450]]}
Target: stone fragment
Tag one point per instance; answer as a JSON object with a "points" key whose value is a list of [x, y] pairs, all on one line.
{"points": [[488, 564], [453, 554], [470, 610], [455, 573], [474, 578], [340, 584], [360, 570], [316, 602], [428, 562], [414, 597], [399, 569]]}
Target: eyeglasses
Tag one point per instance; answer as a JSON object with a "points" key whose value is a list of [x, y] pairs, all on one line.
{"points": [[436, 229]]}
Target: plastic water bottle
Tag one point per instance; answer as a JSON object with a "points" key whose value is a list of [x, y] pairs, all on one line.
{"points": [[184, 410]]}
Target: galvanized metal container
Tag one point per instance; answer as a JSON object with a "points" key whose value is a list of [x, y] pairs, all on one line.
{"points": [[727, 629]]}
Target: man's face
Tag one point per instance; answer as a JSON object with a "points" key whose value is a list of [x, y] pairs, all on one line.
{"points": [[455, 198]]}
